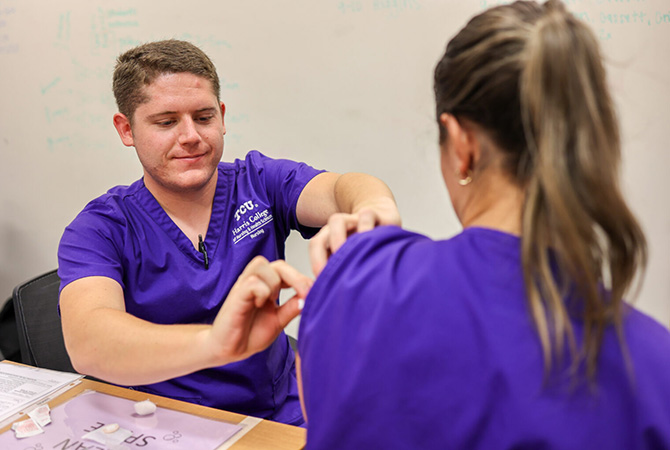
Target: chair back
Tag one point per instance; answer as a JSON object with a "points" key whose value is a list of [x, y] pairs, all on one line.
{"points": [[38, 323]]}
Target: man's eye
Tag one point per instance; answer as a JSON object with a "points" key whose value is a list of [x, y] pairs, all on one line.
{"points": [[205, 119], [165, 123]]}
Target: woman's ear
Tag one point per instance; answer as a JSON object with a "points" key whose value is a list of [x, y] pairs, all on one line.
{"points": [[461, 142]]}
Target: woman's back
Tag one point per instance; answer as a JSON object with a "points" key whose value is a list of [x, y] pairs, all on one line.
{"points": [[412, 343], [464, 343]]}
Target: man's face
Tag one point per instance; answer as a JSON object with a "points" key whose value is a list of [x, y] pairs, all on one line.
{"points": [[178, 133]]}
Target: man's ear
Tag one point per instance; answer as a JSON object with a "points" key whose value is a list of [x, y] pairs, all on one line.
{"points": [[462, 142], [122, 125]]}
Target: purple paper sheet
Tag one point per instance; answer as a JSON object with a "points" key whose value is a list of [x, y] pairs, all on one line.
{"points": [[164, 429]]}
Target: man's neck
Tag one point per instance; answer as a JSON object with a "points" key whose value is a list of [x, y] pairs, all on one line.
{"points": [[189, 210]]}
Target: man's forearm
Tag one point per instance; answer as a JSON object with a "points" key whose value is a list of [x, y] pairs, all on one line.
{"points": [[105, 341], [329, 193], [120, 348], [357, 191]]}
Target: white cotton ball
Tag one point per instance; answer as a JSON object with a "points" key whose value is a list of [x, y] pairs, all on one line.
{"points": [[145, 408], [111, 428]]}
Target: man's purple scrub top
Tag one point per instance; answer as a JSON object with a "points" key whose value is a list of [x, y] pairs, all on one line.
{"points": [[126, 235]]}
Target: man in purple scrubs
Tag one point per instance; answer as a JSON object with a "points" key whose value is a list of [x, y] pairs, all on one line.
{"points": [[147, 269]]}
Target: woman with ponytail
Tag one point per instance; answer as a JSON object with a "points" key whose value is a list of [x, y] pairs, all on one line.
{"points": [[514, 333]]}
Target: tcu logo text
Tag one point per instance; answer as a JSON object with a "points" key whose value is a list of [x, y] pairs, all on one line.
{"points": [[242, 210]]}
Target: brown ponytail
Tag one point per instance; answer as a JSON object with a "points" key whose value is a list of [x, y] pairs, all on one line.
{"points": [[574, 207], [532, 76]]}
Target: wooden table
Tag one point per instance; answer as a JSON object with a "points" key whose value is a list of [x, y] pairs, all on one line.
{"points": [[265, 435]]}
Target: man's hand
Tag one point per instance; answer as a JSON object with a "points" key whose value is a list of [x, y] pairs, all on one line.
{"points": [[250, 320], [341, 225], [342, 205]]}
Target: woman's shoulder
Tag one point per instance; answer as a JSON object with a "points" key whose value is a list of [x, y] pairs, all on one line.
{"points": [[394, 248], [375, 247], [647, 339]]}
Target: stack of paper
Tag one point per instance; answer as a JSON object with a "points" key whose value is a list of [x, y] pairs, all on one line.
{"points": [[24, 386]]}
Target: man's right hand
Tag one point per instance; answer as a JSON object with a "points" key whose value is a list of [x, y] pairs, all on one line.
{"points": [[250, 319]]}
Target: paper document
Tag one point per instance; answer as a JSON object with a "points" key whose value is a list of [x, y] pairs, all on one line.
{"points": [[81, 423], [23, 386]]}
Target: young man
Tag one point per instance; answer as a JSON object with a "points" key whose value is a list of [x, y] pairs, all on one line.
{"points": [[162, 282]]}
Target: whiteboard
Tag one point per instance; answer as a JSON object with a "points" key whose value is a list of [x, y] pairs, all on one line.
{"points": [[342, 85]]}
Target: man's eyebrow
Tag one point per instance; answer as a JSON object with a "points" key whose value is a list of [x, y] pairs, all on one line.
{"points": [[168, 113], [160, 114]]}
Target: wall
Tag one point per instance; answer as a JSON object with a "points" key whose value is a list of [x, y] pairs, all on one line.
{"points": [[343, 85]]}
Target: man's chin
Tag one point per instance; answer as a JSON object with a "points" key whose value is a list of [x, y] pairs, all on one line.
{"points": [[189, 182]]}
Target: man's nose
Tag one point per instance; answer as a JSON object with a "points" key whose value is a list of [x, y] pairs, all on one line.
{"points": [[188, 133]]}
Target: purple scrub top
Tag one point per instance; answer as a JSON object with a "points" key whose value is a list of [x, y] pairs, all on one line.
{"points": [[126, 235], [410, 343]]}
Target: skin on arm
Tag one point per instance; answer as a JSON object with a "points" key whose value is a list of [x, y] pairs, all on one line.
{"points": [[105, 341], [301, 395], [343, 204]]}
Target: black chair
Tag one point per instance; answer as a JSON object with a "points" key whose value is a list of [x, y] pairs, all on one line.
{"points": [[38, 323], [9, 336]]}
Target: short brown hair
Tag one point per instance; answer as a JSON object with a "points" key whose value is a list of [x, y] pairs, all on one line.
{"points": [[140, 66]]}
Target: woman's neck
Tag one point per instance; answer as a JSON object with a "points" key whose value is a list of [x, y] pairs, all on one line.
{"points": [[496, 204]]}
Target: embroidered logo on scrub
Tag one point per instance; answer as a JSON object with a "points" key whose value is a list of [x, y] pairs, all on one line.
{"points": [[249, 221]]}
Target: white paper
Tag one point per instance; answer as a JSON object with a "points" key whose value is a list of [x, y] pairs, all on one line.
{"points": [[26, 428], [114, 439], [23, 386], [41, 415]]}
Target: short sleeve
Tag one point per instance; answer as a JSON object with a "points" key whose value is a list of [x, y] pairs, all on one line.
{"points": [[90, 245], [284, 181]]}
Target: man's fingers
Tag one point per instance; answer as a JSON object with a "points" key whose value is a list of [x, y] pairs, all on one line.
{"points": [[292, 278], [319, 251], [254, 288], [333, 235], [289, 311], [260, 268], [340, 227], [367, 220], [262, 280]]}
